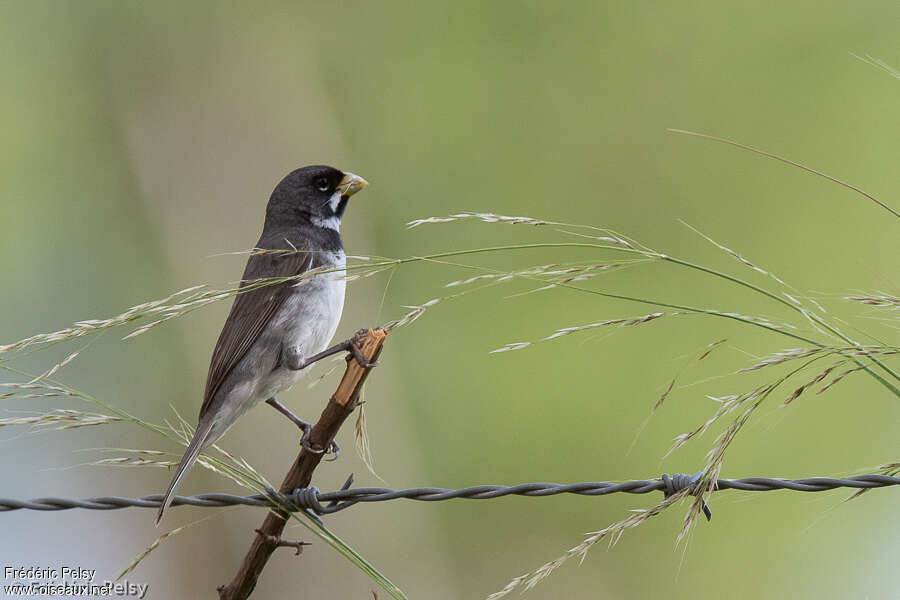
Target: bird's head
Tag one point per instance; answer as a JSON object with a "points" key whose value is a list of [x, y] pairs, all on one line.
{"points": [[317, 194]]}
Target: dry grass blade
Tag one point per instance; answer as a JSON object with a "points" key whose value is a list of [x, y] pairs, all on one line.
{"points": [[135, 458], [556, 274], [839, 377], [782, 357], [82, 328], [133, 461], [59, 419], [172, 306], [812, 382], [709, 349], [137, 559], [789, 162], [727, 405], [737, 256], [627, 322], [486, 217], [363, 447], [891, 470], [879, 64], [664, 395], [715, 458], [800, 353], [882, 301], [614, 532], [415, 312], [752, 401], [608, 236], [52, 370], [33, 389], [764, 322]]}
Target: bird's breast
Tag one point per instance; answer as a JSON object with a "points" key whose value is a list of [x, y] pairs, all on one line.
{"points": [[306, 321], [311, 314]]}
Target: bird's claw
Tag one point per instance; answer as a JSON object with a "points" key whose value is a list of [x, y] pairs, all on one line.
{"points": [[355, 350], [306, 444]]}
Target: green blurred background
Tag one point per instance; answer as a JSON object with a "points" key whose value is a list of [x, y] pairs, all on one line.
{"points": [[141, 139]]}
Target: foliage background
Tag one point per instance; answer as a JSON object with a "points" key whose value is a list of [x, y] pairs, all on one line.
{"points": [[140, 139]]}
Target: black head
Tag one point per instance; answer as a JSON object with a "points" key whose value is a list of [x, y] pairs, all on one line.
{"points": [[317, 194]]}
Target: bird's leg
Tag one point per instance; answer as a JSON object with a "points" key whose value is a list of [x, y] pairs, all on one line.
{"points": [[306, 427], [333, 448], [293, 360]]}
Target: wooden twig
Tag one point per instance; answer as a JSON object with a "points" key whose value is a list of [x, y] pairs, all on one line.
{"points": [[281, 543], [340, 406]]}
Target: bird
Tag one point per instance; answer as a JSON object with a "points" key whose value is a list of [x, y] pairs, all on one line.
{"points": [[280, 322]]}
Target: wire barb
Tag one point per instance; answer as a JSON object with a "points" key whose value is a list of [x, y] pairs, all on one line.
{"points": [[680, 481], [311, 500]]}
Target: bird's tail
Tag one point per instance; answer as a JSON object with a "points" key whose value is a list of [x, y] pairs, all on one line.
{"points": [[198, 443]]}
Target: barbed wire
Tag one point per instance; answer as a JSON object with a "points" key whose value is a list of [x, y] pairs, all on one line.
{"points": [[311, 499]]}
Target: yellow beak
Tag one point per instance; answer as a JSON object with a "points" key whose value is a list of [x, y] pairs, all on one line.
{"points": [[351, 184]]}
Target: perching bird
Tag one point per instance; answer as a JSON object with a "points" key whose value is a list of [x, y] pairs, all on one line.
{"points": [[275, 331]]}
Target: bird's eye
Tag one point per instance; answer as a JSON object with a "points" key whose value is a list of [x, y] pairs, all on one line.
{"points": [[322, 184]]}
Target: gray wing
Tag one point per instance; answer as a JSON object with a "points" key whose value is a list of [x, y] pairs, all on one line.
{"points": [[251, 312]]}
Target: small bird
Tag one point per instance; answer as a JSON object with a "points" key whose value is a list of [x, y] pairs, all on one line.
{"points": [[275, 331]]}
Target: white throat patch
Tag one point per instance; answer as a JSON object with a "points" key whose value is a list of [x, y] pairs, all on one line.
{"points": [[331, 222]]}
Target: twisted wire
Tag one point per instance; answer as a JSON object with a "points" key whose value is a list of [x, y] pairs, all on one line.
{"points": [[313, 500]]}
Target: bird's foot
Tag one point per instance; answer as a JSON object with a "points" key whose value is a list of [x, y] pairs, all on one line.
{"points": [[307, 445], [306, 427], [354, 347]]}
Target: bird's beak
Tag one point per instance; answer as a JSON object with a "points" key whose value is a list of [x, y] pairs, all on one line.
{"points": [[351, 184]]}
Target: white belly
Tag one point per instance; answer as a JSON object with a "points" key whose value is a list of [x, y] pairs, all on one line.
{"points": [[308, 319]]}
